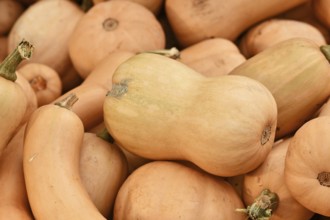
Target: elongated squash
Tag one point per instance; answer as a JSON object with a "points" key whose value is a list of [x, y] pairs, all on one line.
{"points": [[159, 108], [297, 73]]}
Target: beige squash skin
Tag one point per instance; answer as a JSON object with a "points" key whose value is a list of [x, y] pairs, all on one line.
{"points": [[273, 31], [287, 69], [159, 108], [306, 158], [51, 166], [193, 21], [270, 175], [103, 169], [110, 26], [48, 26], [212, 57], [169, 190]]}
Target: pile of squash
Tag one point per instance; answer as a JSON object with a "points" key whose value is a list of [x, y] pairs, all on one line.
{"points": [[164, 109]]}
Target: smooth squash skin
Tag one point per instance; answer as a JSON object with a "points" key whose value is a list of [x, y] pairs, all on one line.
{"points": [[51, 164], [297, 73], [170, 190], [159, 108], [193, 21], [307, 165], [270, 175], [103, 169]]}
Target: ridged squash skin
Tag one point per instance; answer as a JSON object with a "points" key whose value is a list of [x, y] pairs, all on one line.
{"points": [[297, 73], [159, 108]]}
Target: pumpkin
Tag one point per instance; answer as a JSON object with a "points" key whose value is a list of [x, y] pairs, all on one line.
{"points": [[193, 21], [44, 80], [321, 10], [109, 26], [170, 190], [12, 98], [10, 10], [51, 164], [93, 89], [270, 175], [48, 26], [287, 69], [159, 108], [272, 31], [306, 165], [212, 57], [14, 204], [103, 169]]}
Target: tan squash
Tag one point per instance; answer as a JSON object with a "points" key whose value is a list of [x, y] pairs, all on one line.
{"points": [[287, 69], [169, 190], [306, 165], [51, 164], [12, 98], [275, 30], [103, 169], [153, 5], [270, 176], [14, 204], [44, 80], [48, 26], [212, 57], [193, 21], [159, 108], [110, 26], [10, 10], [93, 89]]}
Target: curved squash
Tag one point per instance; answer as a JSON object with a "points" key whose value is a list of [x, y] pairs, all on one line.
{"points": [[159, 108], [297, 73]]}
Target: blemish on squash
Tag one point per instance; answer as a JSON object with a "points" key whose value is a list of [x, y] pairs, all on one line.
{"points": [[110, 24], [266, 133], [32, 157], [324, 178], [118, 89]]}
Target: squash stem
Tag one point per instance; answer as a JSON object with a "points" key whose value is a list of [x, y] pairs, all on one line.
{"points": [[173, 53], [325, 49], [68, 101], [263, 207], [104, 134], [9, 65]]}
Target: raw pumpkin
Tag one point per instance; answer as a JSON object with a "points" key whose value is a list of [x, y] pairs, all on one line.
{"points": [[110, 26], [297, 73], [51, 164], [159, 108], [275, 30], [169, 190], [270, 175], [195, 20], [307, 165]]}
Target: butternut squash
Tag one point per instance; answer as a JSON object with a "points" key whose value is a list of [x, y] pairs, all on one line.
{"points": [[306, 165], [103, 169], [287, 69], [169, 190], [44, 80], [110, 26], [270, 175], [160, 109], [12, 98], [14, 204], [51, 164], [48, 26], [275, 30], [195, 20]]}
